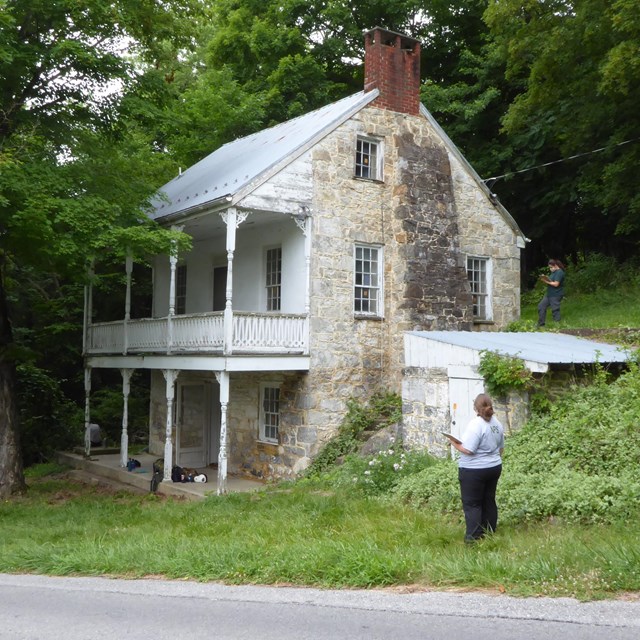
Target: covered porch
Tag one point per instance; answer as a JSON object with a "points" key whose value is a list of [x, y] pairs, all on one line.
{"points": [[107, 468]]}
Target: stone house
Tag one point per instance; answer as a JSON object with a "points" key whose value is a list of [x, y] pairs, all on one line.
{"points": [[317, 244]]}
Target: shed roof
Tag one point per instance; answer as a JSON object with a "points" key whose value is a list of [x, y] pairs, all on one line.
{"points": [[540, 347]]}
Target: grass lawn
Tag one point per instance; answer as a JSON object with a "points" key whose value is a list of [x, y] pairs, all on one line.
{"points": [[303, 536]]}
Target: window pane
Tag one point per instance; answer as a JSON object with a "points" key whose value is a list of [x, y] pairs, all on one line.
{"points": [[271, 412], [274, 279], [366, 280], [477, 275], [366, 159]]}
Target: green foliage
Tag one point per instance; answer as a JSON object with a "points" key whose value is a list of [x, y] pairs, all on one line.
{"points": [[107, 406], [49, 421], [383, 409], [577, 462], [503, 373], [377, 475]]}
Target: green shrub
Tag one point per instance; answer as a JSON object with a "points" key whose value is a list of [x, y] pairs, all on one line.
{"points": [[380, 474], [383, 409], [503, 373], [49, 421], [577, 462]]}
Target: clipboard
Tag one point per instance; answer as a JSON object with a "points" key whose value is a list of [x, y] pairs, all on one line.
{"points": [[446, 434]]}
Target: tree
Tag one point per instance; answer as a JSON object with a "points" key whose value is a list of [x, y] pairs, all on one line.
{"points": [[576, 63], [74, 173]]}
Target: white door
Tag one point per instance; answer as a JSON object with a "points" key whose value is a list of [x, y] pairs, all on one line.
{"points": [[464, 385], [192, 417]]}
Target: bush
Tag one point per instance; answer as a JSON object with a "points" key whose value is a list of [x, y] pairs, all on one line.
{"points": [[49, 421], [380, 474], [382, 410], [577, 462]]}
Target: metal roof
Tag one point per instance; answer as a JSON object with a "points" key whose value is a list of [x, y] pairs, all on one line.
{"points": [[225, 172], [545, 348]]}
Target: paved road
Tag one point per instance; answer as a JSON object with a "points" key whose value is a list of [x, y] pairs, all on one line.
{"points": [[45, 608]]}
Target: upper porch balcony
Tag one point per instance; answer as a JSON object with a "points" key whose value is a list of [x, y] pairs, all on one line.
{"points": [[254, 333]]}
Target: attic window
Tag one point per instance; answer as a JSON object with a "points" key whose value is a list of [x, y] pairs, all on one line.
{"points": [[368, 158]]}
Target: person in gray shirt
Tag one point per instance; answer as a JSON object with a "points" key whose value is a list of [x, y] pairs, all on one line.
{"points": [[479, 469]]}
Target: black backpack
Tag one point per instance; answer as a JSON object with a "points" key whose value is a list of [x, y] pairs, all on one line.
{"points": [[177, 474]]}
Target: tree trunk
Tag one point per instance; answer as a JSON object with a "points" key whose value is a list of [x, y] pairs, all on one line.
{"points": [[11, 471]]}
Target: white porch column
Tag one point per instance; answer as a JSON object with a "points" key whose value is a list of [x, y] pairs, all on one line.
{"points": [[173, 261], [170, 375], [124, 437], [307, 280], [223, 380], [127, 304], [303, 221], [87, 412], [231, 220]]}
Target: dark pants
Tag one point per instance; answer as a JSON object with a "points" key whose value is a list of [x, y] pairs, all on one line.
{"points": [[545, 303], [478, 492]]}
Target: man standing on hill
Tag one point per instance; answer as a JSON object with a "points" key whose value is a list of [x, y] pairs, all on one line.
{"points": [[554, 293]]}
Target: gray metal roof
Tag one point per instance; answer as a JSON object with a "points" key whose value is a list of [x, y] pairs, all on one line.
{"points": [[545, 348], [236, 164]]}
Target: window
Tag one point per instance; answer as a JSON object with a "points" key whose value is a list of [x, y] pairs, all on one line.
{"points": [[181, 289], [368, 280], [274, 279], [270, 413], [479, 274], [368, 159]]}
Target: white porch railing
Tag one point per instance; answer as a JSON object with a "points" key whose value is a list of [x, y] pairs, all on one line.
{"points": [[202, 333]]}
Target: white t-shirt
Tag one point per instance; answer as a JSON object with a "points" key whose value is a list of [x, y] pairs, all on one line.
{"points": [[484, 439]]}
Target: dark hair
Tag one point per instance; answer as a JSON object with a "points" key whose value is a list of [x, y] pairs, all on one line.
{"points": [[483, 406], [556, 263]]}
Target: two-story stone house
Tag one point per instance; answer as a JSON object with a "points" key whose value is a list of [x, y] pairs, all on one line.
{"points": [[316, 244]]}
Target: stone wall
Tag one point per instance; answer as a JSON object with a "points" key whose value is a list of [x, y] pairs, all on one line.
{"points": [[413, 214]]}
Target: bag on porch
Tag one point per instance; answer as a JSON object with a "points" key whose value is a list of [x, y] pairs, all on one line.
{"points": [[155, 481], [178, 474]]}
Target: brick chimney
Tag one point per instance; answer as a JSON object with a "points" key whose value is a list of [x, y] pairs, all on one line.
{"points": [[392, 65]]}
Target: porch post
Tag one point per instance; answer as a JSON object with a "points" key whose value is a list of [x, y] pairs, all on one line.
{"points": [[173, 261], [231, 221], [307, 282], [124, 437], [127, 304], [223, 380], [87, 412], [170, 375]]}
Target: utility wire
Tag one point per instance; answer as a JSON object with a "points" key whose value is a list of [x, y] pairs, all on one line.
{"points": [[547, 164]]}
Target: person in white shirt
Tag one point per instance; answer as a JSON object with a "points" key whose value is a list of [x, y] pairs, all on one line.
{"points": [[479, 469]]}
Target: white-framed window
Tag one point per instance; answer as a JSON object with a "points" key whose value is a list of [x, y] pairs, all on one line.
{"points": [[269, 412], [181, 289], [367, 273], [368, 158], [274, 278], [479, 272]]}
